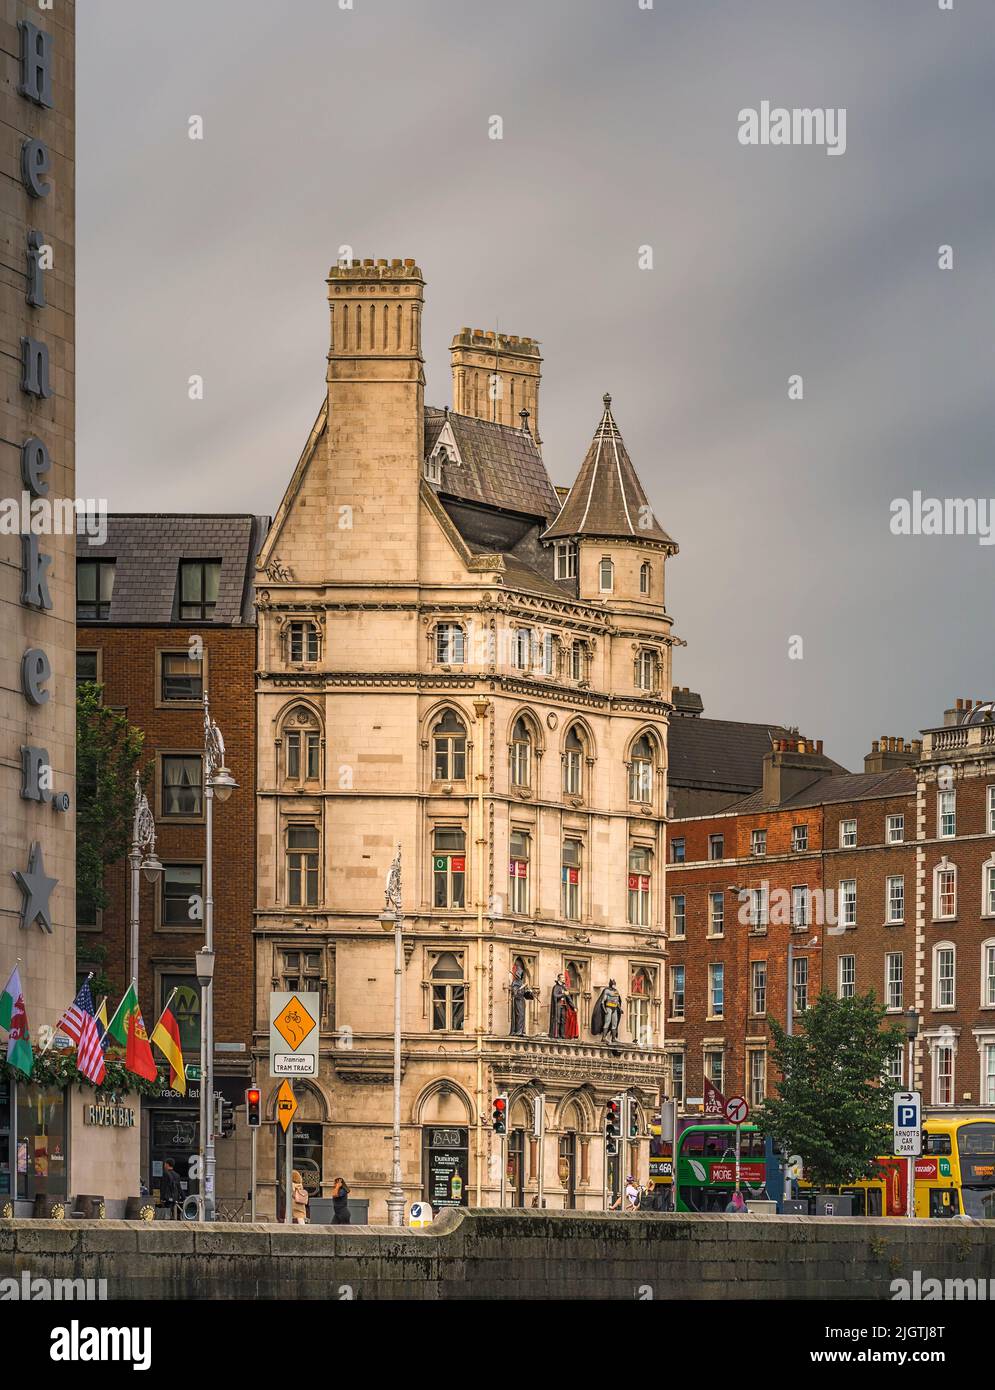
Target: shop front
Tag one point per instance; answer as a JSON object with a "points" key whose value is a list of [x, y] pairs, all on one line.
{"points": [[34, 1147]]}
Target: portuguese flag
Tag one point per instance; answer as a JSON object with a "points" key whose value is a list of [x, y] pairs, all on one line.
{"points": [[127, 1028], [14, 1017]]}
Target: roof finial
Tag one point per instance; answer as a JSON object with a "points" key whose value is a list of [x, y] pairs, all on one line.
{"points": [[608, 401], [523, 415]]}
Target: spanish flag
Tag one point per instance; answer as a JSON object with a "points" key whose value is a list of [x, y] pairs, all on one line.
{"points": [[166, 1036]]}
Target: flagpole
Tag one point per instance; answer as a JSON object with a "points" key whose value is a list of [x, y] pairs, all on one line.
{"points": [[165, 1008]]}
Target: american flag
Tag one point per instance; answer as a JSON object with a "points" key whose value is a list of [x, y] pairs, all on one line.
{"points": [[78, 1022]]}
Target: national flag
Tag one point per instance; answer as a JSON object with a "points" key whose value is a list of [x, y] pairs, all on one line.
{"points": [[117, 1029], [79, 1023], [101, 1022], [166, 1036], [14, 1017], [138, 1057]]}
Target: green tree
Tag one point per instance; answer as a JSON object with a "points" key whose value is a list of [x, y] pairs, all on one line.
{"points": [[108, 753], [831, 1107]]}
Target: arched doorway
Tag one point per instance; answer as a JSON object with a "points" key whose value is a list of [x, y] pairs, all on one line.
{"points": [[445, 1147], [568, 1154]]}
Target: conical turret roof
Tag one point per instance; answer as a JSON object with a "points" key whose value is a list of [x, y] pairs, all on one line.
{"points": [[607, 500]]}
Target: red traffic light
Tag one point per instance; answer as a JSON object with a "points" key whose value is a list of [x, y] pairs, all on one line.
{"points": [[252, 1097], [253, 1107], [499, 1114]]}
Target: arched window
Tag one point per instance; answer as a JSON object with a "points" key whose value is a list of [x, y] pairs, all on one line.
{"points": [[642, 997], [639, 884], [304, 641], [606, 575], [521, 755], [301, 747], [573, 763], [644, 577], [449, 745], [450, 644], [448, 993], [449, 866], [641, 771]]}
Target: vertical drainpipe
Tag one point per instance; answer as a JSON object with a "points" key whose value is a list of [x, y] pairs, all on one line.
{"points": [[480, 708]]}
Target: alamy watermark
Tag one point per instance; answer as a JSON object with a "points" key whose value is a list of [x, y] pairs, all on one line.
{"points": [[54, 516], [777, 125], [944, 516], [931, 1290], [26, 1288]]}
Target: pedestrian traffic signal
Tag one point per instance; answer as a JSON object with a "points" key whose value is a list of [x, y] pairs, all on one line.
{"points": [[226, 1119], [499, 1114], [253, 1101], [613, 1125]]}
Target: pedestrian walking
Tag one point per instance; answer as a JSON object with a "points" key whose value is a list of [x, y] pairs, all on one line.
{"points": [[737, 1206], [340, 1203], [300, 1198]]}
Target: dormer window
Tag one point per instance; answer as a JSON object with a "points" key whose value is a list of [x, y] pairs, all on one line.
{"points": [[199, 581], [606, 575], [433, 468], [566, 559]]}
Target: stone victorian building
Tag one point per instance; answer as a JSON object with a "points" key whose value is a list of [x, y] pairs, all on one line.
{"points": [[457, 660]]}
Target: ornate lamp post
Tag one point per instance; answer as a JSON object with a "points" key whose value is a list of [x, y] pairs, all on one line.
{"points": [[142, 858], [219, 782], [393, 916]]}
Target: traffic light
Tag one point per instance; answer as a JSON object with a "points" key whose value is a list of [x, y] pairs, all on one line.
{"points": [[226, 1119], [613, 1126], [499, 1114], [632, 1118], [253, 1104]]}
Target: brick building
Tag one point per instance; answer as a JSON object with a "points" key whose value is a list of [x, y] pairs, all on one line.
{"points": [[882, 880], [165, 612]]}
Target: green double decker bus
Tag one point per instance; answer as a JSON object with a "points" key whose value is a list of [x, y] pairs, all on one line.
{"points": [[705, 1166]]}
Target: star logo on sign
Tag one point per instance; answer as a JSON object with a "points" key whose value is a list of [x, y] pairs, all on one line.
{"points": [[37, 889]]}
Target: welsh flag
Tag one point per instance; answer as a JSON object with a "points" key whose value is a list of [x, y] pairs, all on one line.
{"points": [[127, 1028], [14, 1017]]}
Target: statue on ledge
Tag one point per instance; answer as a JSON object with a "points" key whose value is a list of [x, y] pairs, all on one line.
{"points": [[520, 991], [562, 1013], [607, 1014]]}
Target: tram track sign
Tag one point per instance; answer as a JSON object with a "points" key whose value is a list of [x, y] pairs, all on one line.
{"points": [[294, 1032]]}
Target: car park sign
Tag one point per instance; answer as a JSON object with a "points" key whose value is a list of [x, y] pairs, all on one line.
{"points": [[908, 1124]]}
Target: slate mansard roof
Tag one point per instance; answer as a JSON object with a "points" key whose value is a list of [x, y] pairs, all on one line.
{"points": [[607, 501], [499, 466], [147, 548], [721, 754]]}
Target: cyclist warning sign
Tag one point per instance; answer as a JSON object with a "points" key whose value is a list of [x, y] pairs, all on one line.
{"points": [[293, 1033]]}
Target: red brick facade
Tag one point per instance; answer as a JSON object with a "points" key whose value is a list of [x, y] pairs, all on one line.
{"points": [[906, 908]]}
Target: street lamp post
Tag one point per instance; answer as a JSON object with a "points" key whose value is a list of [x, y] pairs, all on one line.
{"points": [[393, 916], [141, 859], [219, 782], [911, 1033], [789, 1019]]}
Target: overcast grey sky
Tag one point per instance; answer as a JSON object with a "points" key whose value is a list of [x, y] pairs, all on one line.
{"points": [[369, 127]]}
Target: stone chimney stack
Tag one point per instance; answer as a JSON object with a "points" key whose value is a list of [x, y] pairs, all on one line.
{"points": [[792, 765], [496, 376], [888, 753]]}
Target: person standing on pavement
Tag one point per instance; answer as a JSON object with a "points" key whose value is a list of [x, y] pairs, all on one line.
{"points": [[737, 1206], [340, 1203], [300, 1198], [170, 1190]]}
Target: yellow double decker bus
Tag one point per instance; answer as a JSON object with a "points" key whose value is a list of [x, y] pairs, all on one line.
{"points": [[955, 1175]]}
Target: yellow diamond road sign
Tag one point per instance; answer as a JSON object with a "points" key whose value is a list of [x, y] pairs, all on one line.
{"points": [[286, 1105], [294, 1032], [294, 1023]]}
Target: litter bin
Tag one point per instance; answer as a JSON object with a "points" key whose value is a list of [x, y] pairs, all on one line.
{"points": [[833, 1204]]}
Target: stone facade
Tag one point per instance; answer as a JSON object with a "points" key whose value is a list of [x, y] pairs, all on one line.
{"points": [[37, 470], [517, 741]]}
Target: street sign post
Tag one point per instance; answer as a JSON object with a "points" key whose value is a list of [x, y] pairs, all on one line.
{"points": [[908, 1137], [293, 1032], [286, 1109], [737, 1113]]}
